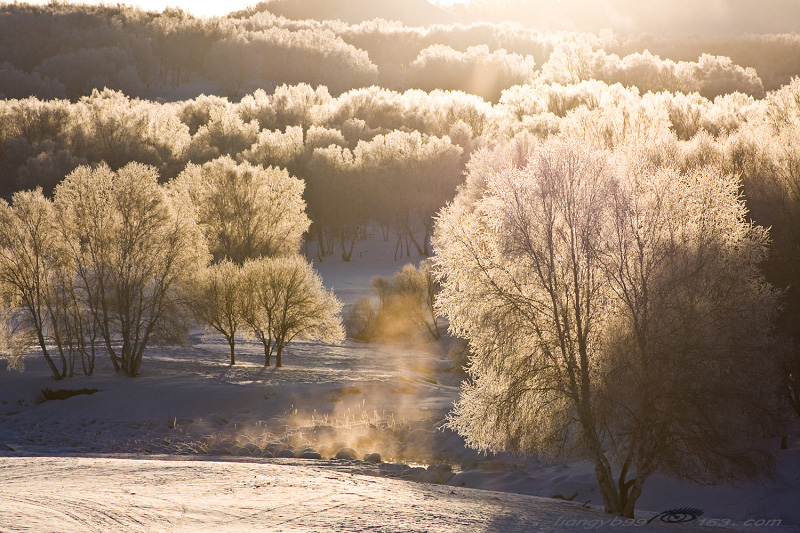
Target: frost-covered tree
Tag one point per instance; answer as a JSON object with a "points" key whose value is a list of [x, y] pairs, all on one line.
{"points": [[38, 288], [36, 120], [217, 296], [417, 289], [283, 299], [340, 198], [276, 148], [412, 176], [28, 256], [300, 105], [574, 61], [695, 348], [246, 211], [225, 134], [258, 106], [406, 305], [86, 69], [615, 312], [765, 151], [74, 331], [259, 306], [109, 126], [376, 106], [196, 113], [133, 250]]}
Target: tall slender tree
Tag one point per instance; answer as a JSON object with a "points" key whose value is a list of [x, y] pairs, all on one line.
{"points": [[217, 299]]}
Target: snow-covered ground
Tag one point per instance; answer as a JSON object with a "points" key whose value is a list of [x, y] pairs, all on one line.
{"points": [[193, 444], [112, 494]]}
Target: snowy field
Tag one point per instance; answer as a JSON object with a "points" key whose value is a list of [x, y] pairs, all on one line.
{"points": [[51, 494], [194, 444]]}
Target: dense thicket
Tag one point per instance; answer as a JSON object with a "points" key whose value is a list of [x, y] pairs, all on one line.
{"points": [[395, 176], [372, 154]]}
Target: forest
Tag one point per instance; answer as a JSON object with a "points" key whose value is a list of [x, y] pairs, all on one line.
{"points": [[153, 163]]}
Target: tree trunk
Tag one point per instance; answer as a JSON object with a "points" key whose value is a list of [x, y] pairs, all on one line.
{"points": [[410, 236], [320, 243], [137, 356], [602, 468], [347, 252], [607, 490], [87, 359], [330, 243], [433, 330], [111, 353], [125, 355], [278, 363], [632, 496], [426, 242], [53, 369], [267, 353], [232, 343]]}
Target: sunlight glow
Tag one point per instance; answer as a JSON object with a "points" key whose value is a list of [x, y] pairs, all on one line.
{"points": [[205, 8], [448, 3]]}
